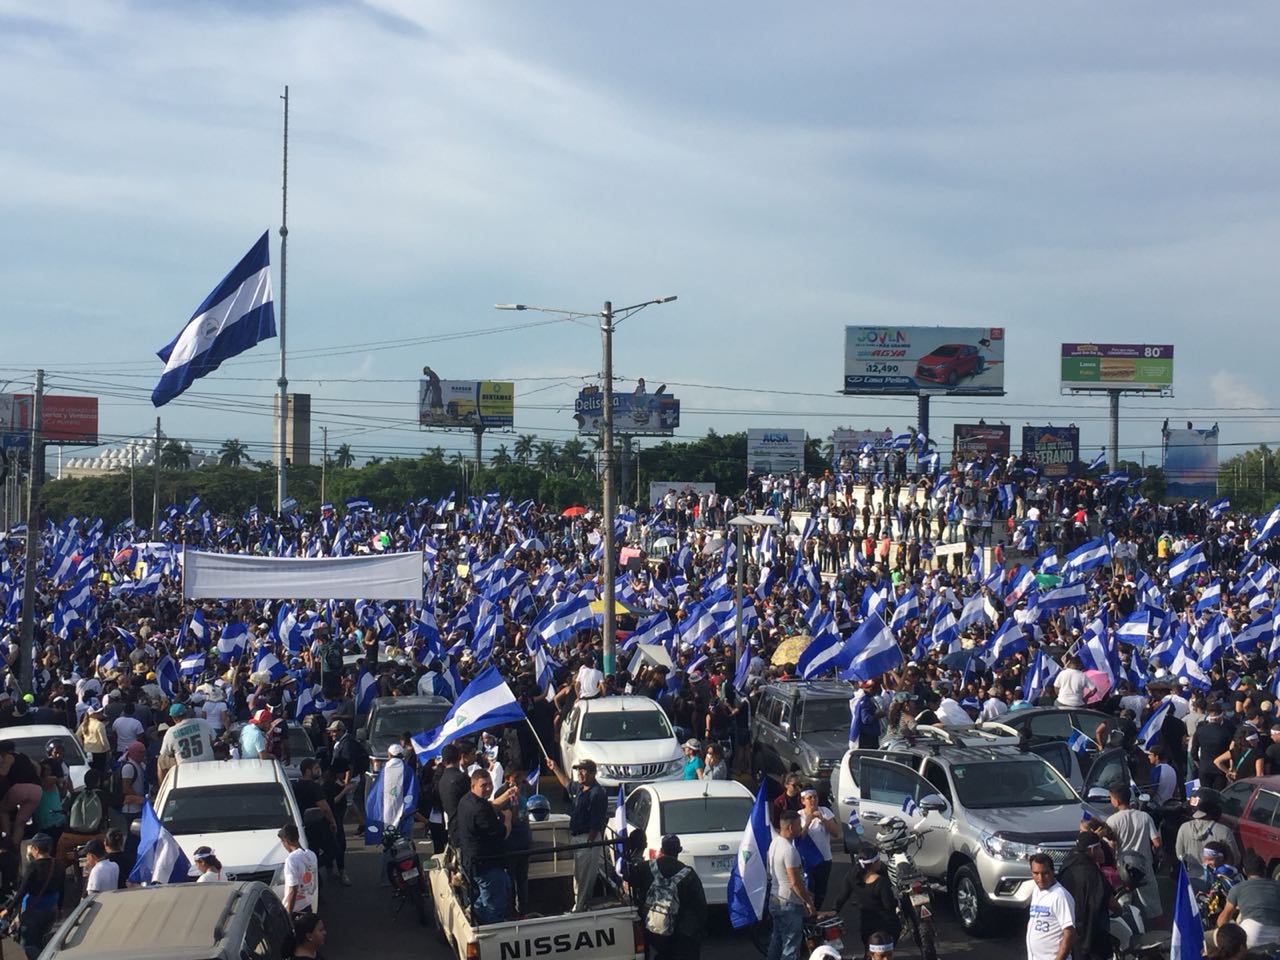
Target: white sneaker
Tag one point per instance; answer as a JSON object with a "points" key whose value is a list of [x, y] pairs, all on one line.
{"points": [[344, 879]]}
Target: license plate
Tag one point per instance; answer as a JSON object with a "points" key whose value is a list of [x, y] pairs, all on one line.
{"points": [[722, 864], [919, 899], [410, 874]]}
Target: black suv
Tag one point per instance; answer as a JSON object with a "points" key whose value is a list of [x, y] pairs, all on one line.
{"points": [[801, 726]]}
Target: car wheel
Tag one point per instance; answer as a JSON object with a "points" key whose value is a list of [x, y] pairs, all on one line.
{"points": [[1275, 870], [952, 379], [969, 900]]}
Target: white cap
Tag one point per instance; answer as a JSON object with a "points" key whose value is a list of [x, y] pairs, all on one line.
{"points": [[395, 750]]}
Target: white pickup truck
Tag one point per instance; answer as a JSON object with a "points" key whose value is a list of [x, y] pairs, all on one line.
{"points": [[609, 929]]}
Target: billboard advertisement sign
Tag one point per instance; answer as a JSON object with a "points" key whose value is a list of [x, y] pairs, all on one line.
{"points": [[1117, 366], [775, 451], [845, 441], [465, 403], [1055, 449], [658, 489], [637, 413], [962, 361], [975, 440], [64, 421], [1191, 463]]}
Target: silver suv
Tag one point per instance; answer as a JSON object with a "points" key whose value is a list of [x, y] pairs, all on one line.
{"points": [[990, 803]]}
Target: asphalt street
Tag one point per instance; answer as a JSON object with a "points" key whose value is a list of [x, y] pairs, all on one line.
{"points": [[361, 926]]}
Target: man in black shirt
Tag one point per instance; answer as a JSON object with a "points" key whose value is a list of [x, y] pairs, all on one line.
{"points": [[451, 785], [1212, 738], [322, 827], [587, 820], [481, 831], [37, 897]]}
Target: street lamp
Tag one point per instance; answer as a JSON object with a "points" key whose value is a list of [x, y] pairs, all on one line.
{"points": [[608, 318], [740, 524]]}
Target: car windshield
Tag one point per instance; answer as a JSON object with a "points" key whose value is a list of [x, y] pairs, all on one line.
{"points": [[34, 749], [300, 744], [945, 352], [817, 716], [1010, 783], [705, 815], [626, 725], [395, 721], [225, 808]]}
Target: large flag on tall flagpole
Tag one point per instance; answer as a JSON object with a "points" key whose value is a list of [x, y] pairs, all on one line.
{"points": [[236, 315]]}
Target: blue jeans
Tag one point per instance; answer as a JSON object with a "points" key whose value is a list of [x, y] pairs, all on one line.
{"points": [[493, 895], [788, 924]]}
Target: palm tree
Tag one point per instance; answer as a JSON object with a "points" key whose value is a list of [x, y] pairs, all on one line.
{"points": [[233, 453], [573, 454], [501, 458], [374, 461], [343, 457], [524, 447], [546, 456], [459, 460], [174, 456]]}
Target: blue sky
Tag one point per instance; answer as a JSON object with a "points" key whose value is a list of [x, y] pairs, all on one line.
{"points": [[1081, 172]]}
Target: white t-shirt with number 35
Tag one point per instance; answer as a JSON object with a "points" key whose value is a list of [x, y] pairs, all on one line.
{"points": [[189, 741], [1052, 912]]}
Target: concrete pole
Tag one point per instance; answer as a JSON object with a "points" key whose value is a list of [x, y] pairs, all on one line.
{"points": [[1113, 430], [610, 505]]}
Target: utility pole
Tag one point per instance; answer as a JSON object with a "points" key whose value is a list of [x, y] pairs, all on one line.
{"points": [[479, 432], [1113, 430], [26, 665], [610, 504], [324, 460], [155, 483], [625, 484], [283, 382], [133, 513]]}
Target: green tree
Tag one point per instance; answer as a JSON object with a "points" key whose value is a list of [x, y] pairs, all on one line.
{"points": [[546, 456], [174, 456], [524, 447], [501, 458], [573, 456], [459, 460], [232, 453], [343, 457]]}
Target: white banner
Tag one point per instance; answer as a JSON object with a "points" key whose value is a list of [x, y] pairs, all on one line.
{"points": [[775, 451], [237, 576]]}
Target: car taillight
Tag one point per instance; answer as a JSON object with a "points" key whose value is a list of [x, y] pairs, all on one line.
{"points": [[406, 864], [473, 951], [917, 886], [637, 932], [833, 932]]}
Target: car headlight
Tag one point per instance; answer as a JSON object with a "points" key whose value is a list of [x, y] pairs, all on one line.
{"points": [[1009, 850], [675, 766]]}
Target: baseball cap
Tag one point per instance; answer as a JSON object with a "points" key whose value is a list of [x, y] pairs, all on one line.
{"points": [[395, 750], [671, 844], [587, 765], [177, 710], [42, 842], [262, 716]]}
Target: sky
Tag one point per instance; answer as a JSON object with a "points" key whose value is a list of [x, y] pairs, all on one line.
{"points": [[1078, 172]]}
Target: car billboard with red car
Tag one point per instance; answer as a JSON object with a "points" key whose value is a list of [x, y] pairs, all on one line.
{"points": [[961, 361]]}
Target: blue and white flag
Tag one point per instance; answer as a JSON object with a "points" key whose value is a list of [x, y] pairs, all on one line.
{"points": [[191, 664], [1089, 556], [565, 619], [167, 676], [1188, 931], [1041, 674], [1098, 462], [822, 653], [392, 800], [749, 875], [366, 691], [1218, 508], [160, 858], [359, 503], [267, 662], [237, 315], [1078, 742], [197, 630], [485, 702], [1192, 560], [876, 651], [1210, 597], [233, 642], [1149, 733], [909, 806]]}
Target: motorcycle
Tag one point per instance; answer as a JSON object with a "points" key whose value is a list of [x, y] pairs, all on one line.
{"points": [[404, 870], [823, 937], [915, 907]]}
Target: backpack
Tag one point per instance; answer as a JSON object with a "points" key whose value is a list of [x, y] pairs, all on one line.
{"points": [[87, 812], [663, 901], [115, 786]]}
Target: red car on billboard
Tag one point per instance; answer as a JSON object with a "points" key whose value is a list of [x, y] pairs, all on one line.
{"points": [[949, 363]]}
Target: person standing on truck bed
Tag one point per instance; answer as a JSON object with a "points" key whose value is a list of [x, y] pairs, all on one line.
{"points": [[483, 822], [587, 821], [653, 877], [452, 785]]}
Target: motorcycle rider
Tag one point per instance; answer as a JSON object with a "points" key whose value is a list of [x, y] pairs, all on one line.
{"points": [[1204, 826], [1081, 876], [1257, 902]]}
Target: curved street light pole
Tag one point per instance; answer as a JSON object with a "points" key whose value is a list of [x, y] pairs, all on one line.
{"points": [[608, 318]]}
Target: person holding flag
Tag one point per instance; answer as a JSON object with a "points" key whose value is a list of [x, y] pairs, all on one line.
{"points": [[587, 821], [392, 799]]}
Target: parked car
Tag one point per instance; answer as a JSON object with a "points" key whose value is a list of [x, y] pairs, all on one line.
{"points": [[389, 717], [629, 738], [1056, 725], [1251, 808], [707, 816], [33, 742], [950, 363], [801, 726], [185, 921], [990, 804], [301, 747], [236, 807]]}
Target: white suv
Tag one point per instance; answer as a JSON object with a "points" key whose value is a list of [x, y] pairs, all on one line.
{"points": [[629, 738]]}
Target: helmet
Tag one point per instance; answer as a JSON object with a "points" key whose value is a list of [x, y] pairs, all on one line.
{"points": [[1019, 705], [892, 831], [1208, 802], [1131, 868], [539, 807], [52, 745]]}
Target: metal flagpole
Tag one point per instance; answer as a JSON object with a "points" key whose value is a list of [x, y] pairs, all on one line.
{"points": [[283, 382]]}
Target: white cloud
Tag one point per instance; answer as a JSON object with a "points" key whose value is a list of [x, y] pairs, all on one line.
{"points": [[1230, 390]]}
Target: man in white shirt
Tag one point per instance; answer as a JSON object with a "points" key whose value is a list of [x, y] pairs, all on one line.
{"points": [[949, 710], [1136, 833], [994, 706], [1072, 685], [104, 874], [789, 898], [301, 872], [127, 729], [1051, 924], [589, 680]]}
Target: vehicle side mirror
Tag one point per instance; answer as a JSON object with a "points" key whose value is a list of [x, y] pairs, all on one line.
{"points": [[1099, 795], [933, 803], [785, 726]]}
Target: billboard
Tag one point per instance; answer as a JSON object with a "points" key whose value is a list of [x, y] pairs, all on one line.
{"points": [[775, 451], [1191, 463], [972, 440], [847, 441], [64, 421], [1117, 366], [637, 413], [658, 489], [963, 361], [1055, 449], [465, 403]]}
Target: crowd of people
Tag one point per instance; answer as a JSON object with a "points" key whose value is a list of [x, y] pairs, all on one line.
{"points": [[1071, 575]]}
